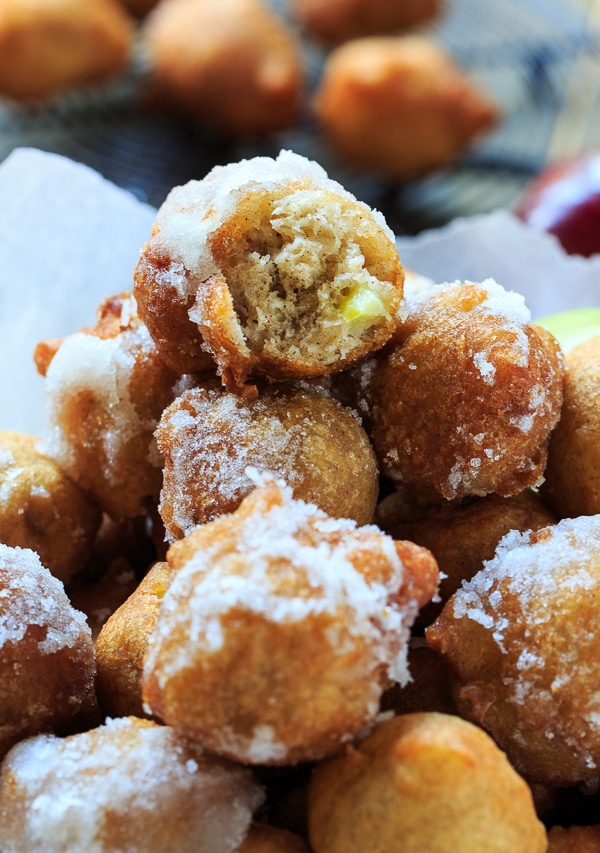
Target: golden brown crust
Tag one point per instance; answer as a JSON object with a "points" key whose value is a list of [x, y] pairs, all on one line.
{"points": [[294, 657], [399, 105], [48, 46], [273, 269], [121, 646], [127, 785], [432, 780], [106, 387], [46, 654], [465, 403], [43, 509], [340, 20], [209, 437], [461, 535], [572, 476], [518, 639], [234, 66]]}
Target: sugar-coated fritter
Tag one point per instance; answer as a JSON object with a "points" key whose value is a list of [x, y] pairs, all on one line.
{"points": [[48, 46], [399, 105], [521, 639], [423, 782], [465, 403], [126, 785], [42, 509], [280, 629], [209, 437], [461, 535], [106, 388], [232, 66], [47, 662], [271, 268], [121, 646], [340, 20], [572, 476]]}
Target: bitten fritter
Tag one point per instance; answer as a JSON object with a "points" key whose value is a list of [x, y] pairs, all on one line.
{"points": [[209, 437], [461, 535], [335, 21], [106, 388], [233, 66], [127, 785], [47, 662], [464, 405], [423, 782], [399, 105], [280, 629], [572, 476], [49, 46], [521, 640], [271, 268], [121, 646], [42, 509]]}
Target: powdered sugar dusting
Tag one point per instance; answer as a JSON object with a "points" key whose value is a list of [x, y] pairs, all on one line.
{"points": [[526, 597], [124, 771], [31, 596]]}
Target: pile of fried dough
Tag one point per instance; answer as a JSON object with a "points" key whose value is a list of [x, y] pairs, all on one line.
{"points": [[306, 558], [387, 97]]}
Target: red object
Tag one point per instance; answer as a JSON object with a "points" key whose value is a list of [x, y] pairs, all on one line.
{"points": [[565, 201]]}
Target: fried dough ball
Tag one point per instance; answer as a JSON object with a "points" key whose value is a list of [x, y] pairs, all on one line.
{"points": [[280, 628], [461, 536], [46, 654], [233, 66], [273, 269], [399, 105], [574, 839], [106, 388], [209, 437], [42, 509], [340, 20], [423, 782], [121, 646], [269, 839], [465, 404], [572, 476], [521, 639], [127, 785], [47, 46]]}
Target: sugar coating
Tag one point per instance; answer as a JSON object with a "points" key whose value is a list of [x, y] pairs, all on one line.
{"points": [[533, 583], [185, 237], [257, 433], [87, 364], [318, 549], [122, 771], [31, 596]]}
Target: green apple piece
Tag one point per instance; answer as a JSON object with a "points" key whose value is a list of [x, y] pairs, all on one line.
{"points": [[572, 327], [362, 304]]}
